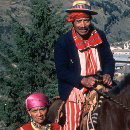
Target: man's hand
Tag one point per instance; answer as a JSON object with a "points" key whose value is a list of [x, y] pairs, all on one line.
{"points": [[107, 79], [88, 82]]}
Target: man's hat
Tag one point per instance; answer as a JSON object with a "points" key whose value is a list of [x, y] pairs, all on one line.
{"points": [[82, 6]]}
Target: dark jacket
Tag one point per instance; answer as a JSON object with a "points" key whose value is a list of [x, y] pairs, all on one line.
{"points": [[68, 64]]}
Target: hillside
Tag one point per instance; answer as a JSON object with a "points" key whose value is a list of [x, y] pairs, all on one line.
{"points": [[113, 16]]}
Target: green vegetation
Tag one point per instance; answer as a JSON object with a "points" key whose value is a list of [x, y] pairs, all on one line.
{"points": [[110, 21], [108, 7], [126, 13], [27, 64]]}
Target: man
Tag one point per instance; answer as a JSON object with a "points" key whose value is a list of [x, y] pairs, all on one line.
{"points": [[79, 55]]}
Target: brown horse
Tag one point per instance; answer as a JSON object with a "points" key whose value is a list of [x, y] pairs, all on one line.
{"points": [[113, 116]]}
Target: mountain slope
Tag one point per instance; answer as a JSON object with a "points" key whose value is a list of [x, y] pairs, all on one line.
{"points": [[113, 16]]}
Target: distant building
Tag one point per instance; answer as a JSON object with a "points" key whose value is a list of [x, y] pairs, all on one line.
{"points": [[120, 71], [113, 48], [127, 45], [122, 51], [121, 55]]}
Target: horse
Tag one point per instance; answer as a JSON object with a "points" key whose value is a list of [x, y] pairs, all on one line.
{"points": [[114, 113], [116, 116]]}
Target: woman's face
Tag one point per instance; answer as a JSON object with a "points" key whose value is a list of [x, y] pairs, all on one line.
{"points": [[38, 114]]}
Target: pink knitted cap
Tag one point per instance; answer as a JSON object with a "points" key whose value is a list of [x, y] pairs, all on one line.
{"points": [[36, 100]]}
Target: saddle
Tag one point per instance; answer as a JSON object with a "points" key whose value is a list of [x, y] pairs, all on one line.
{"points": [[92, 99], [90, 107]]}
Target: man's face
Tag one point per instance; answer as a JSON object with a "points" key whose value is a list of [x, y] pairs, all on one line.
{"points": [[82, 26], [38, 114]]}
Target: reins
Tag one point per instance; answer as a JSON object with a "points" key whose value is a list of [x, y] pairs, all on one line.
{"points": [[111, 99], [99, 77]]}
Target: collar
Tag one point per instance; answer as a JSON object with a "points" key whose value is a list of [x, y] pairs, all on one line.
{"points": [[35, 126], [93, 41]]}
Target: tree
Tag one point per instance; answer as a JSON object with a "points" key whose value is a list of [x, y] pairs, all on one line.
{"points": [[126, 13], [28, 63], [110, 21]]}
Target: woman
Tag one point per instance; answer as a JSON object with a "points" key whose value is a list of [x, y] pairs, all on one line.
{"points": [[37, 106]]}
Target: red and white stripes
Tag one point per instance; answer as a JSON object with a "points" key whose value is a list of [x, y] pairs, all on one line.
{"points": [[89, 61], [73, 113]]}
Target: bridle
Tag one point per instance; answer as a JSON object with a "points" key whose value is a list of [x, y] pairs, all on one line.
{"points": [[112, 99]]}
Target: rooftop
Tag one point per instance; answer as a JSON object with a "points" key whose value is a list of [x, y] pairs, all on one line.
{"points": [[121, 50], [121, 57]]}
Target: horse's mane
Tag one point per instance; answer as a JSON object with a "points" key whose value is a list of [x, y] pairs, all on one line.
{"points": [[122, 91], [123, 84]]}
